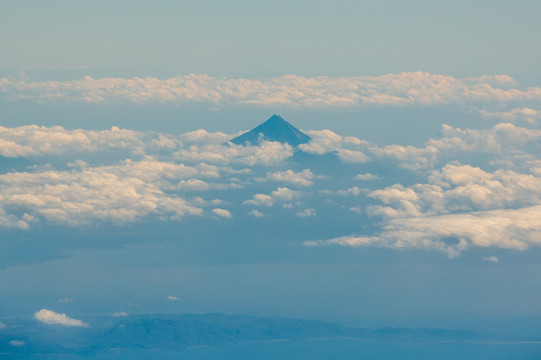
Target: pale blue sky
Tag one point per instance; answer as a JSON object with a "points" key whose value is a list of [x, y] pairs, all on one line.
{"points": [[252, 38]]}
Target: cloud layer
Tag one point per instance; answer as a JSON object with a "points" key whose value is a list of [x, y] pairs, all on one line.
{"points": [[417, 88], [472, 187]]}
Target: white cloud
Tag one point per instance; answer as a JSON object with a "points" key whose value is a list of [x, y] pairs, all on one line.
{"points": [[267, 153], [352, 191], [201, 136], [502, 140], [461, 207], [302, 178], [285, 193], [453, 233], [222, 213], [2, 326], [50, 317], [415, 88], [366, 177], [17, 343], [116, 194], [491, 258], [172, 298], [119, 314], [260, 199], [256, 213], [526, 114], [280, 194], [348, 149], [410, 157], [34, 140], [306, 213], [352, 156], [498, 139], [459, 188]]}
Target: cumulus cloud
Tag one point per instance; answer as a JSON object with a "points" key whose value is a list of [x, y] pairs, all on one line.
{"points": [[302, 178], [280, 194], [356, 209], [453, 233], [347, 148], [116, 194], [417, 88], [40, 140], [2, 326], [352, 191], [266, 153], [17, 343], [461, 207], [222, 213], [458, 188], [201, 136], [530, 116], [256, 213], [172, 298], [52, 318], [502, 140], [306, 213]]}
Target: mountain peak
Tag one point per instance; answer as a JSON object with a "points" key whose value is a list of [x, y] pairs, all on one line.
{"points": [[274, 129]]}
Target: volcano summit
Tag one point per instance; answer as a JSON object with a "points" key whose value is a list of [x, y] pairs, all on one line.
{"points": [[274, 129]]}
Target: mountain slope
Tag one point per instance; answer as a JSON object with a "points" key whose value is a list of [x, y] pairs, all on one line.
{"points": [[274, 129]]}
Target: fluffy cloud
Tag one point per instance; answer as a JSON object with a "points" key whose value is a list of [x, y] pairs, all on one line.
{"points": [[256, 213], [50, 317], [348, 148], [502, 140], [302, 178], [526, 114], [267, 153], [352, 191], [461, 207], [222, 213], [499, 139], [306, 213], [459, 188], [117, 194], [40, 140], [453, 233], [282, 193], [415, 88], [366, 177]]}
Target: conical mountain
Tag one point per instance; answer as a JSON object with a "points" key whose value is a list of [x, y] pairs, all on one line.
{"points": [[274, 129]]}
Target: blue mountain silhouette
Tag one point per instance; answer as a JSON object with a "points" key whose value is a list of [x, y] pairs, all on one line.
{"points": [[274, 129]]}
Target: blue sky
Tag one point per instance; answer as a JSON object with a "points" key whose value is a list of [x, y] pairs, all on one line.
{"points": [[417, 202], [246, 38]]}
